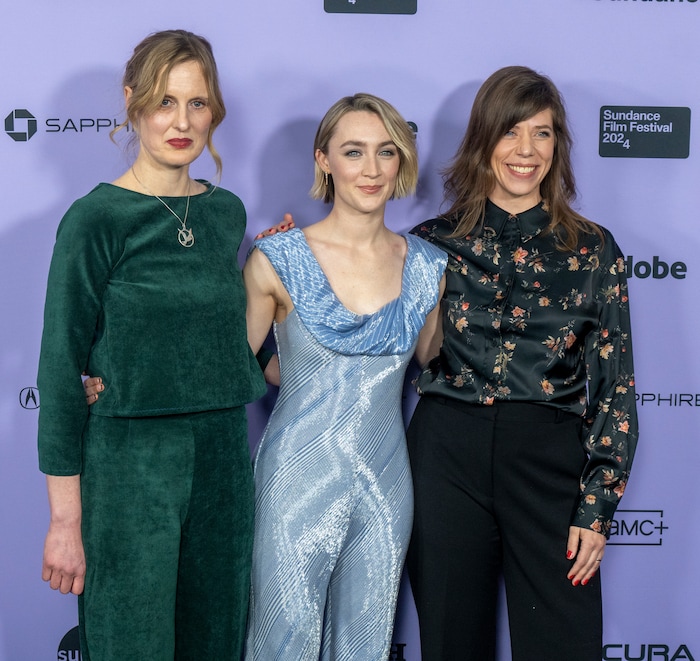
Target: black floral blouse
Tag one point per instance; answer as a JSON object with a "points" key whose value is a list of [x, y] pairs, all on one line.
{"points": [[525, 321]]}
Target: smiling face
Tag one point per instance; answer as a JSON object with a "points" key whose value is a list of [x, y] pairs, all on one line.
{"points": [[520, 162], [176, 133], [363, 161]]}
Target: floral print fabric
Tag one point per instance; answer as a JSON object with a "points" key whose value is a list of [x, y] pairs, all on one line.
{"points": [[526, 321]]}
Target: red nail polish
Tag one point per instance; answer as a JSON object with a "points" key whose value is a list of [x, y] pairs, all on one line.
{"points": [[570, 576], [569, 555], [584, 581], [575, 582]]}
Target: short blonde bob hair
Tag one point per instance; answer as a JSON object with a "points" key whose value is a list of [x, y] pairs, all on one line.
{"points": [[147, 72], [397, 128]]}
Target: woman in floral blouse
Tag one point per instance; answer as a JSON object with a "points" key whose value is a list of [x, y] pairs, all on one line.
{"points": [[523, 438]]}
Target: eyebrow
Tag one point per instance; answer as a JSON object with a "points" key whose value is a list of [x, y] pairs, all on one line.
{"points": [[538, 126], [171, 95], [361, 143]]}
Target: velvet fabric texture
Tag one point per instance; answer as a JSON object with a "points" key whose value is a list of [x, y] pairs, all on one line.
{"points": [[163, 457], [168, 529], [163, 325]]}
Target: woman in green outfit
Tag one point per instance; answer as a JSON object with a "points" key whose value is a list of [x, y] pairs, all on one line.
{"points": [[151, 491]]}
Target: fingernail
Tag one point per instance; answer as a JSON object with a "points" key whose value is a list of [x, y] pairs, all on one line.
{"points": [[569, 555], [576, 582], [584, 581]]}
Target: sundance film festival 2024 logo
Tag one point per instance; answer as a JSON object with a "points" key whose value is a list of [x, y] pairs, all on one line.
{"points": [[370, 6], [69, 647], [644, 132]]}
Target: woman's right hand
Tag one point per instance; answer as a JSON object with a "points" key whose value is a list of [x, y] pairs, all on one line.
{"points": [[93, 385], [64, 556]]}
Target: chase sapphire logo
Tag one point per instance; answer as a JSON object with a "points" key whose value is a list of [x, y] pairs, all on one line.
{"points": [[29, 398], [370, 6], [20, 125]]}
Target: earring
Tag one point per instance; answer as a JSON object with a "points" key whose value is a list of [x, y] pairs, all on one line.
{"points": [[325, 178]]}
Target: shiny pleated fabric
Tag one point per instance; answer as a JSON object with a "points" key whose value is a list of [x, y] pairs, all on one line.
{"points": [[333, 488]]}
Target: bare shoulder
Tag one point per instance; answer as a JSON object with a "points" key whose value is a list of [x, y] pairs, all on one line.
{"points": [[257, 263], [261, 278], [398, 243]]}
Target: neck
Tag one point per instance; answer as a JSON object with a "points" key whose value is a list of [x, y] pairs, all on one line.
{"points": [[515, 206], [166, 183], [356, 229]]}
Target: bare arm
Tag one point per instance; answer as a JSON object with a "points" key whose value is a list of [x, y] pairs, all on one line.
{"points": [[430, 338], [64, 557], [265, 301], [272, 371]]}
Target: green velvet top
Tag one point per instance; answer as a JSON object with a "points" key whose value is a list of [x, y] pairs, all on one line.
{"points": [[162, 324]]}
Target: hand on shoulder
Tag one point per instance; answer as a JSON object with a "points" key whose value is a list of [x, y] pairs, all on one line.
{"points": [[286, 224]]}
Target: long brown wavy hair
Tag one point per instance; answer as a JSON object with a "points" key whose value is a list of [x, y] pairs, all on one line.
{"points": [[509, 96]]}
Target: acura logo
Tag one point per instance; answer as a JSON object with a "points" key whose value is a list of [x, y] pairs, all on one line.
{"points": [[29, 398]]}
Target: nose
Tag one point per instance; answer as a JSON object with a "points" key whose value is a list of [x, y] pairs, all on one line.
{"points": [[182, 118], [371, 168], [525, 146]]}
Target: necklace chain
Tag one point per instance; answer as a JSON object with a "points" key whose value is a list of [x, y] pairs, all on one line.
{"points": [[185, 236]]}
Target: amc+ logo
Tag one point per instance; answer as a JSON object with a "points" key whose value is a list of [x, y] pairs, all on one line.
{"points": [[20, 125]]}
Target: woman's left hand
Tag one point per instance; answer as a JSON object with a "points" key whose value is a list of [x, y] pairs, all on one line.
{"points": [[586, 548], [93, 386]]}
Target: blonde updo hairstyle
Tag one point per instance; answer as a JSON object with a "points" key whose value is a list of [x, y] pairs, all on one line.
{"points": [[146, 74]]}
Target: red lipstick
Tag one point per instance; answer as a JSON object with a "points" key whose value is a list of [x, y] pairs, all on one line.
{"points": [[180, 143]]}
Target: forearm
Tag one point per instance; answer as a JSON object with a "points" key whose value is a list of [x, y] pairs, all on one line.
{"points": [[64, 556], [64, 499]]}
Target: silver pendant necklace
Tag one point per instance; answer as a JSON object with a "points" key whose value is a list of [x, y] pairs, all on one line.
{"points": [[185, 236]]}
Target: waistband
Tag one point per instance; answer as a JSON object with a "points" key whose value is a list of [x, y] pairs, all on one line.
{"points": [[501, 410]]}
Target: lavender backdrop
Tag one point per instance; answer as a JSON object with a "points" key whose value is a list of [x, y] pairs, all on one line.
{"points": [[282, 65]]}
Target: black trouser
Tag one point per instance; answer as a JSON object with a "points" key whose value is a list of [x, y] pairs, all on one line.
{"points": [[495, 490]]}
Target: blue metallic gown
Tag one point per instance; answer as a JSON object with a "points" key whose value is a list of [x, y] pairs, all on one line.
{"points": [[333, 495]]}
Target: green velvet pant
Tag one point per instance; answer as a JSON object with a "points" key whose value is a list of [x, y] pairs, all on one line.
{"points": [[167, 529]]}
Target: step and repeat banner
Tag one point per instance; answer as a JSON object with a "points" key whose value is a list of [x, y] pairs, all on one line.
{"points": [[628, 72]]}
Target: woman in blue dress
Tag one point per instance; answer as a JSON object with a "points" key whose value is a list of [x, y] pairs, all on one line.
{"points": [[347, 299]]}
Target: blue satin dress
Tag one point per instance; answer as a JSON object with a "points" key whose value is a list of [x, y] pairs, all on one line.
{"points": [[333, 494]]}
